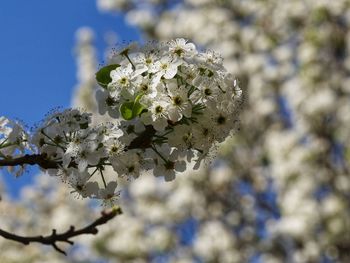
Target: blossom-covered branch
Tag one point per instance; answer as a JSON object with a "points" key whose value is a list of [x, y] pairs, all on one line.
{"points": [[169, 106], [65, 237]]}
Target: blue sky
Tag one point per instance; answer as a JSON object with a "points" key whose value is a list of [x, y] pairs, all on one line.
{"points": [[37, 70]]}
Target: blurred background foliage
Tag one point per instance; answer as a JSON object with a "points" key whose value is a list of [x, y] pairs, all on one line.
{"points": [[280, 189]]}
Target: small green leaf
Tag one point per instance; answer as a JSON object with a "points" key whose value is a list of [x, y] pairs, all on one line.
{"points": [[137, 109], [138, 97], [126, 110], [132, 109], [103, 76]]}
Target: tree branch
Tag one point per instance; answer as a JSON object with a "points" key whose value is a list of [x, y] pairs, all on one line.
{"points": [[143, 141], [35, 159], [52, 239]]}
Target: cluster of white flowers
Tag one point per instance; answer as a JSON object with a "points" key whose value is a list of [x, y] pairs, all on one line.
{"points": [[13, 142], [177, 103], [13, 138], [80, 151]]}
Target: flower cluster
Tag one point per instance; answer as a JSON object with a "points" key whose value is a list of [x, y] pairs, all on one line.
{"points": [[79, 150], [13, 138], [177, 103]]}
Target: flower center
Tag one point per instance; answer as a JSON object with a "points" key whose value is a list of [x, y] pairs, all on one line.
{"points": [[177, 100], [144, 87], [179, 51], [114, 149], [221, 119], [205, 131], [131, 169], [207, 92], [169, 165], [123, 81], [159, 109]]}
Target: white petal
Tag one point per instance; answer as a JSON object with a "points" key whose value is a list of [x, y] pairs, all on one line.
{"points": [[170, 72], [82, 165]]}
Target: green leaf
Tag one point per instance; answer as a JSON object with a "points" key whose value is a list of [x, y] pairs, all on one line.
{"points": [[103, 76], [137, 109], [126, 110], [131, 109]]}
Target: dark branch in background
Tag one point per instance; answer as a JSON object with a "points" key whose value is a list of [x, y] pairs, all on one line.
{"points": [[52, 239]]}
